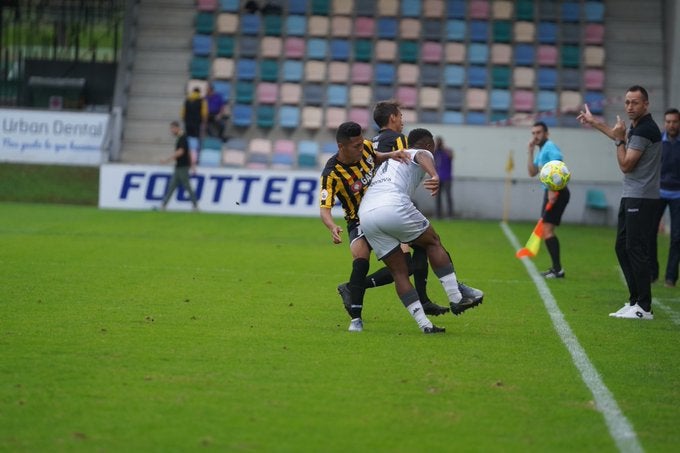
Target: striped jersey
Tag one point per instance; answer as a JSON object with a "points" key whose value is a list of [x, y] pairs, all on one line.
{"points": [[388, 140], [347, 183]]}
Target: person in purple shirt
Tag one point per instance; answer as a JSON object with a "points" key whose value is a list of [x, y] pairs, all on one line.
{"points": [[670, 196], [443, 159], [215, 114]]}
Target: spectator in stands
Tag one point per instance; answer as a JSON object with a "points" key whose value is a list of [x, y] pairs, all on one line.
{"points": [[251, 6], [272, 8], [443, 158], [181, 156], [215, 113], [195, 115], [670, 196], [638, 155]]}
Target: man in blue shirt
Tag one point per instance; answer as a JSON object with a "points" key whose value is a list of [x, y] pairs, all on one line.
{"points": [[554, 203], [670, 196]]}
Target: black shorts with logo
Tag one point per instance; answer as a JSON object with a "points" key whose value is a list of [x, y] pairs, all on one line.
{"points": [[554, 215]]}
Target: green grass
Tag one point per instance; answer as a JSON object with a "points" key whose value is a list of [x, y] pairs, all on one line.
{"points": [[49, 184], [162, 331]]}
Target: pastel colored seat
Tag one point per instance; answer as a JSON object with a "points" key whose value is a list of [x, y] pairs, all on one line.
{"points": [[479, 9], [318, 26], [340, 49], [478, 53], [246, 69], [227, 23], [271, 47], [360, 96], [594, 11], [359, 116], [289, 117], [343, 7], [364, 27], [338, 72], [594, 79], [233, 158], [408, 74], [594, 56], [250, 24], [500, 100], [502, 9], [523, 100], [432, 52], [210, 157], [222, 68], [294, 48], [387, 28], [477, 98], [454, 52], [547, 78], [281, 161], [570, 101], [361, 73], [335, 116], [454, 75], [429, 98], [456, 30], [411, 8], [479, 31], [452, 117], [524, 32], [407, 96], [292, 71], [524, 77], [594, 34], [433, 8], [547, 55], [230, 5], [223, 88], [296, 25], [308, 152], [315, 71], [341, 27], [546, 101], [409, 29], [317, 49], [385, 50], [267, 93], [476, 118]]}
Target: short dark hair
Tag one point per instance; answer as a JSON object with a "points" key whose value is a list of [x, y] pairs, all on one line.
{"points": [[346, 131], [671, 111], [418, 134], [634, 88], [174, 124], [383, 110], [542, 125]]}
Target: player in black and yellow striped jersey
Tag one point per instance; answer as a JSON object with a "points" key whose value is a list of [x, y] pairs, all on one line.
{"points": [[387, 115], [346, 177]]}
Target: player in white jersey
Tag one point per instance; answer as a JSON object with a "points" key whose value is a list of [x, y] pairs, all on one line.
{"points": [[389, 218]]}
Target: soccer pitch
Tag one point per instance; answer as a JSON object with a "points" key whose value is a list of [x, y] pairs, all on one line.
{"points": [[163, 331]]}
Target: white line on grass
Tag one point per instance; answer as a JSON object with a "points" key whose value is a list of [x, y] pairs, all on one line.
{"points": [[675, 317], [619, 427]]}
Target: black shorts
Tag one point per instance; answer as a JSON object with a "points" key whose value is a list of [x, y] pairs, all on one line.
{"points": [[554, 215], [355, 232]]}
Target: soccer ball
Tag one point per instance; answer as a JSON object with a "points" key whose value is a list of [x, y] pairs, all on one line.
{"points": [[554, 175]]}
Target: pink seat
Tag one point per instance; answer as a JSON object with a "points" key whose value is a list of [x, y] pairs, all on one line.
{"points": [[364, 27], [432, 52], [362, 73], [359, 116], [407, 96], [594, 34], [479, 9], [523, 100], [283, 146], [206, 5], [547, 55], [267, 93], [594, 79], [294, 48]]}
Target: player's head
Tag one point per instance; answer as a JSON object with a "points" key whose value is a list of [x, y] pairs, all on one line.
{"points": [[672, 122], [175, 128], [539, 131], [637, 102], [387, 114], [350, 141], [421, 139]]}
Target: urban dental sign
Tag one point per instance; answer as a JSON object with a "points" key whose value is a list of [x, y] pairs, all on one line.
{"points": [[50, 137]]}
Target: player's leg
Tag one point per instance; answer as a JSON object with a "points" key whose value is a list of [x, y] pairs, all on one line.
{"points": [[552, 219], [420, 271], [172, 185], [183, 176]]}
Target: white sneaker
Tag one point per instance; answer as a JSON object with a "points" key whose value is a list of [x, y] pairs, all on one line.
{"points": [[356, 325], [636, 312], [620, 311]]}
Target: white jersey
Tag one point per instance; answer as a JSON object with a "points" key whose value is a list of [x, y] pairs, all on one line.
{"points": [[394, 183]]}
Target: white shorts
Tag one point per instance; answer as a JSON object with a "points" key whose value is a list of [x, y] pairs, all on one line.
{"points": [[386, 227]]}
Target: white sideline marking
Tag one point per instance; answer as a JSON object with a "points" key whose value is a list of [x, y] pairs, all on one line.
{"points": [[675, 317], [620, 428]]}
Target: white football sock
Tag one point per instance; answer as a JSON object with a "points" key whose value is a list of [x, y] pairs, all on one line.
{"points": [[450, 284], [416, 310]]}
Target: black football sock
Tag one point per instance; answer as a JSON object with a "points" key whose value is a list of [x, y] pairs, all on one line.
{"points": [[356, 285], [553, 246], [380, 277], [420, 271]]}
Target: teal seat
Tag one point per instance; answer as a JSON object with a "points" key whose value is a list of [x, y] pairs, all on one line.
{"points": [[597, 201]]}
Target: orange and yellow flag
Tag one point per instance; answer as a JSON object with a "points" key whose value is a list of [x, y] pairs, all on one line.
{"points": [[533, 244]]}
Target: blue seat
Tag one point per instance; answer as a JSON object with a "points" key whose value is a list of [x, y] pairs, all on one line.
{"points": [[229, 6], [594, 11], [385, 74], [242, 115], [292, 71], [476, 118], [595, 101], [429, 117], [297, 6], [547, 32], [411, 8], [248, 47], [366, 9], [296, 25], [570, 79], [478, 53], [382, 93], [317, 49], [432, 29], [284, 160], [387, 28], [524, 55], [571, 33], [547, 78], [272, 24], [265, 116], [250, 24], [571, 12], [340, 49], [308, 152], [479, 31], [210, 158], [500, 100], [477, 76], [201, 45], [546, 101], [456, 9], [336, 95], [223, 88], [453, 98], [246, 69], [312, 94], [454, 75], [289, 117], [245, 92], [430, 74], [455, 30]]}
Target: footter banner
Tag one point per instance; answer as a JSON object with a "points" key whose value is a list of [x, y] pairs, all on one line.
{"points": [[238, 191]]}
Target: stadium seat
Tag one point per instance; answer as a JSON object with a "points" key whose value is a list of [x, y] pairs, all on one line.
{"points": [[340, 49], [242, 115], [363, 8], [476, 98], [335, 116], [594, 34], [430, 75], [248, 47], [524, 55], [260, 146], [321, 7], [594, 56], [547, 32], [429, 116], [594, 11], [289, 117], [501, 54], [388, 8], [284, 146], [546, 101], [478, 53], [269, 70], [273, 24], [246, 69], [308, 152], [210, 157], [233, 157], [433, 9], [570, 101], [479, 9], [384, 74], [245, 92], [571, 12], [500, 76], [452, 117], [387, 28], [523, 77], [227, 23], [341, 27], [361, 73], [225, 46], [432, 52], [271, 47], [548, 10], [432, 30], [411, 8], [385, 50], [408, 51], [456, 9], [595, 100], [265, 116], [500, 100], [223, 88], [338, 72], [359, 96], [363, 50], [547, 78], [456, 30], [382, 92], [204, 23], [524, 9], [312, 94], [364, 27], [250, 24], [454, 75], [408, 74], [294, 48], [211, 143], [318, 26], [315, 71], [345, 7], [409, 29], [524, 32], [571, 33], [570, 56], [454, 52], [201, 45], [281, 161], [296, 25], [222, 68], [292, 71], [429, 98], [477, 76], [359, 116], [479, 31], [523, 100], [453, 99], [476, 118], [547, 55], [231, 6], [502, 9], [257, 161], [297, 6], [570, 79], [267, 92], [199, 67], [317, 49], [502, 31]]}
